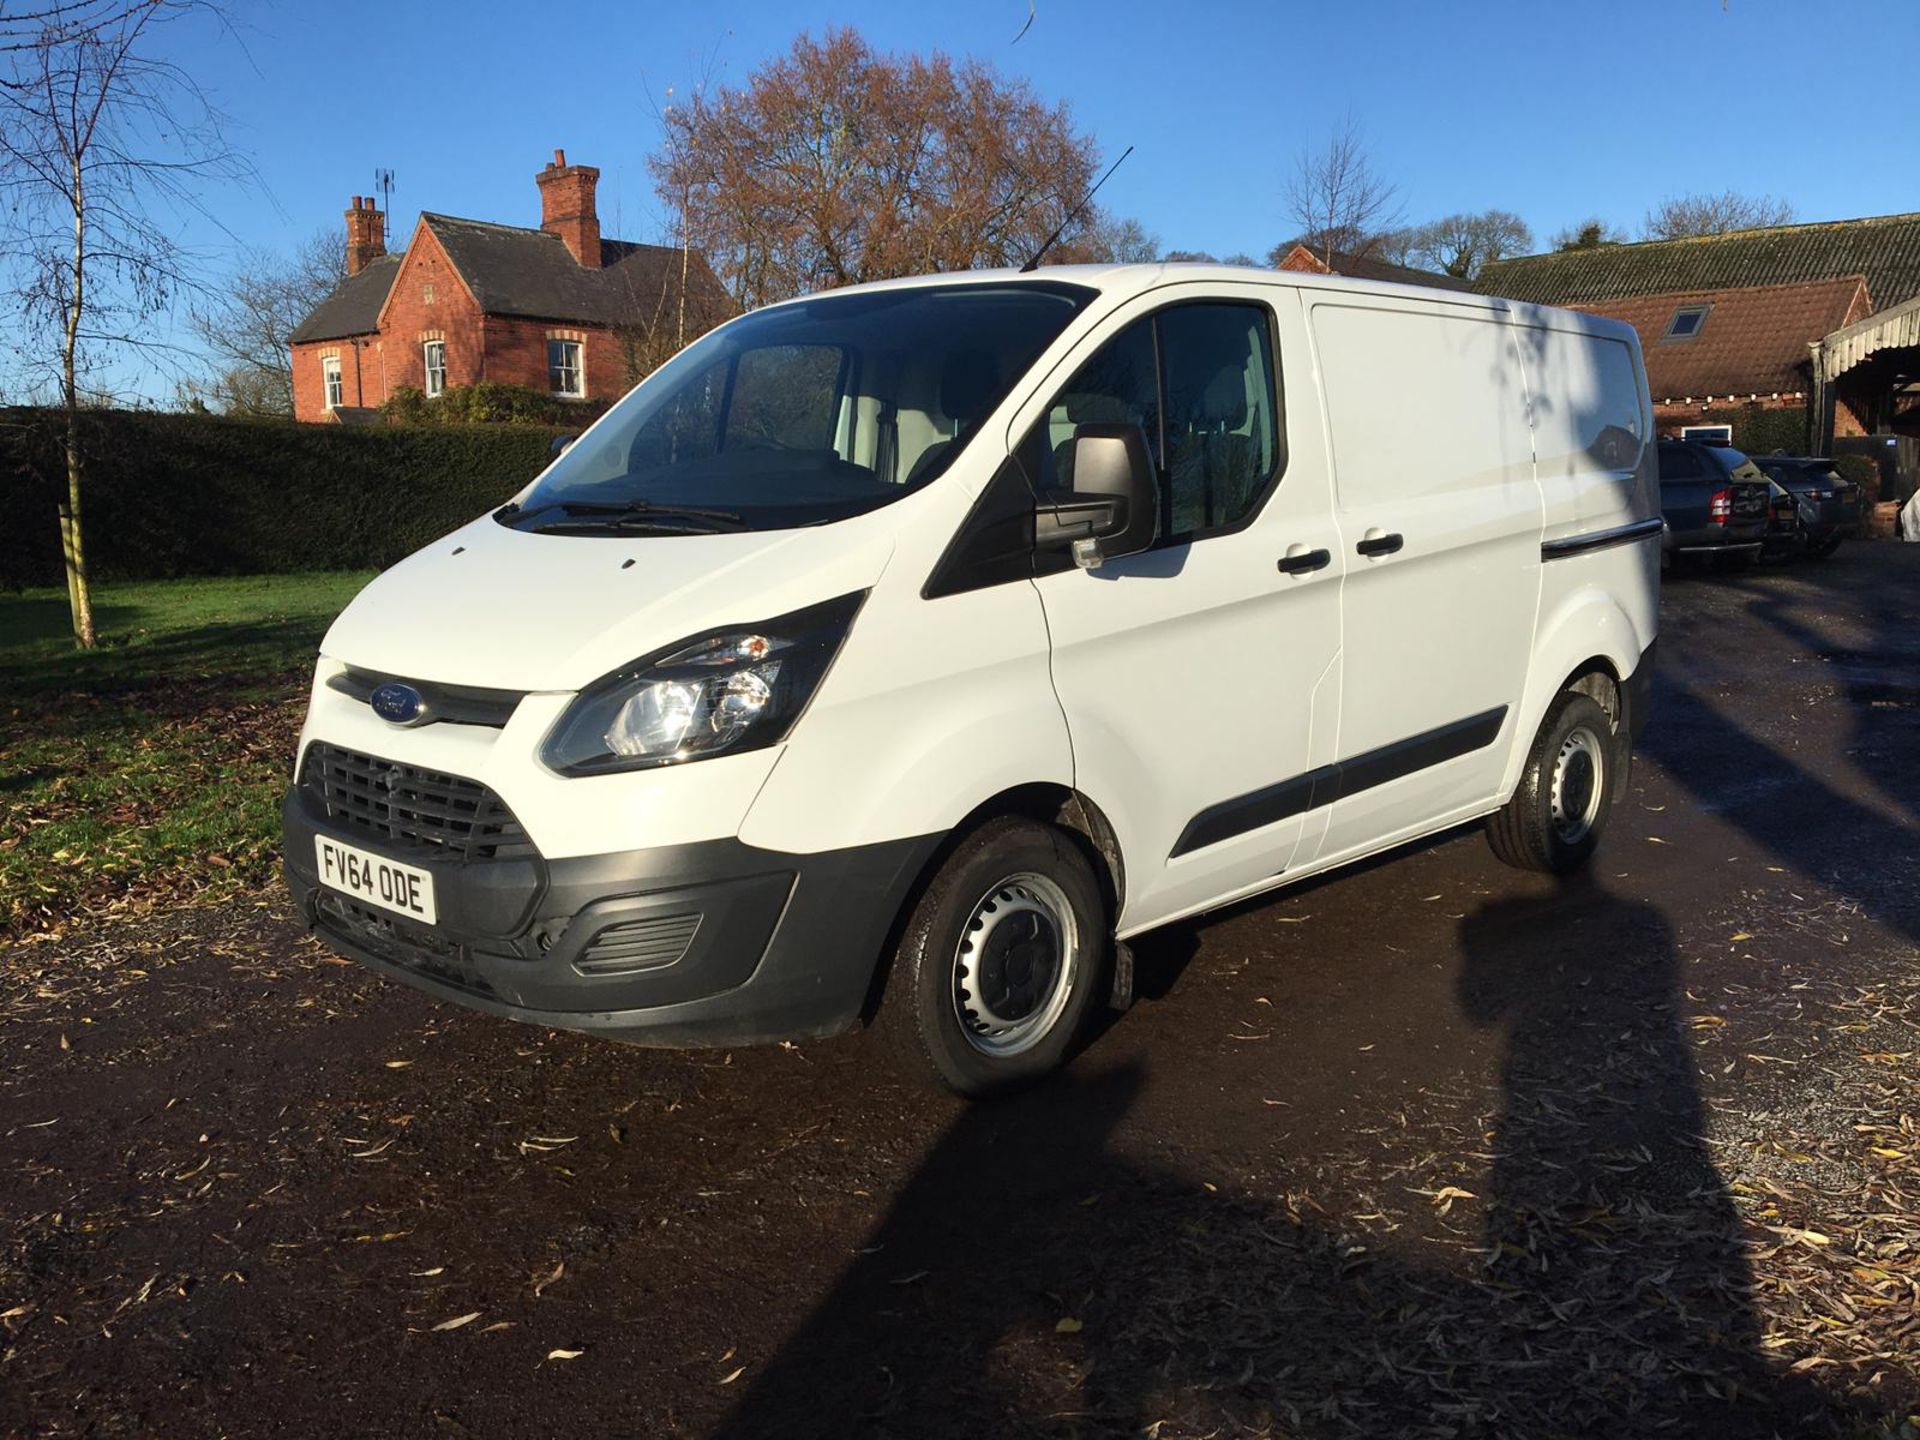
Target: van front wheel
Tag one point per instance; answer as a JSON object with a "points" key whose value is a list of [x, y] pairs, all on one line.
{"points": [[1575, 769], [999, 962]]}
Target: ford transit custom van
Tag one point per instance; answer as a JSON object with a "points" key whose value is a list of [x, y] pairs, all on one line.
{"points": [[896, 654]]}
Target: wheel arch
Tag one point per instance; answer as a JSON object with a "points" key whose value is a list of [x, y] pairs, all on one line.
{"points": [[1589, 645], [1048, 803]]}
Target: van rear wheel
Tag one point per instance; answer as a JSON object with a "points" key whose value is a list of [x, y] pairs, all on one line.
{"points": [[1574, 772], [999, 964]]}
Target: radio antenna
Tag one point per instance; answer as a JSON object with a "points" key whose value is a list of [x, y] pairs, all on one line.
{"points": [[383, 182], [1072, 215]]}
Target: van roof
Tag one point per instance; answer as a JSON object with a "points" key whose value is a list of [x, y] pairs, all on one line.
{"points": [[1125, 280]]}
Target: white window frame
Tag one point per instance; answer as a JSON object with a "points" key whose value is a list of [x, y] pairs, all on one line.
{"points": [[579, 367], [436, 379], [333, 383]]}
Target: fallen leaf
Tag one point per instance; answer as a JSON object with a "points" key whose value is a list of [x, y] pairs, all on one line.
{"points": [[1068, 1326], [733, 1375], [459, 1320], [398, 1064], [565, 1354], [541, 1285]]}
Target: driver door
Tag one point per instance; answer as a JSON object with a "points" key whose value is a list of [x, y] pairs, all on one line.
{"points": [[1200, 678]]}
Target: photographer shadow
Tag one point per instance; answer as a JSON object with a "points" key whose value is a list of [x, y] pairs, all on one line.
{"points": [[1043, 1273]]}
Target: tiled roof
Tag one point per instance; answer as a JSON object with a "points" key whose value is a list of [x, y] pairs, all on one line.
{"points": [[1884, 248], [518, 271], [1365, 267], [354, 306], [1753, 341]]}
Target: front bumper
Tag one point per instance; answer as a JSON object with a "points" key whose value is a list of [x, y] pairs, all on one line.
{"points": [[710, 943]]}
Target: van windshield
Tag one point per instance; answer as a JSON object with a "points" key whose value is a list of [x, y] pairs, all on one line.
{"points": [[804, 413]]}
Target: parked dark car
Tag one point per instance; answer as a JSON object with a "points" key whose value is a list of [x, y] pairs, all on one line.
{"points": [[1786, 537], [1715, 503], [1828, 506]]}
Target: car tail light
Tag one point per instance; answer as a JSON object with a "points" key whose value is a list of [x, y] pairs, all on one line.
{"points": [[1720, 507]]}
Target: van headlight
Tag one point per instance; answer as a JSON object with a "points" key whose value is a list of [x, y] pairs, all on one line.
{"points": [[731, 691]]}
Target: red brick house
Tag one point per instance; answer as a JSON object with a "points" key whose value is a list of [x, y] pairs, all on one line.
{"points": [[1305, 259], [558, 308], [1745, 345]]}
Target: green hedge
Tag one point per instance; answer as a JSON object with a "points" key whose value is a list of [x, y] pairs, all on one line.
{"points": [[491, 403], [172, 495], [1758, 430]]}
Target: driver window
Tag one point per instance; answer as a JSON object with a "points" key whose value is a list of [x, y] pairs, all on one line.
{"points": [[1200, 379], [1118, 386]]}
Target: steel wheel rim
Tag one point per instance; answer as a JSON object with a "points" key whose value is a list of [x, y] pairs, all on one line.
{"points": [[1015, 965], [1579, 785]]}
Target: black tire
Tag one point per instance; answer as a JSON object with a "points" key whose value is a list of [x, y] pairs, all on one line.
{"points": [[1537, 830], [1822, 549], [1037, 881]]}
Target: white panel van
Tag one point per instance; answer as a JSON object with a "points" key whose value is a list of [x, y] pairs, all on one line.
{"points": [[898, 653]]}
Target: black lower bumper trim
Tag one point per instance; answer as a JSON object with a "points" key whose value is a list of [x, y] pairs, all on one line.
{"points": [[717, 942]]}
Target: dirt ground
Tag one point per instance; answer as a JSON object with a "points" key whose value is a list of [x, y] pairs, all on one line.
{"points": [[1428, 1148]]}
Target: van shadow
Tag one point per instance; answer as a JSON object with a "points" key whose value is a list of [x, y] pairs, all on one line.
{"points": [[1041, 1275]]}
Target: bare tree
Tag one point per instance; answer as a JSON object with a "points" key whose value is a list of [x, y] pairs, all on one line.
{"points": [[1588, 234], [1336, 199], [1109, 239], [245, 319], [837, 164], [1398, 246], [1463, 245], [1684, 215], [103, 141]]}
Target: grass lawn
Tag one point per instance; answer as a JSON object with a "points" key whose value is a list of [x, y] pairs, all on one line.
{"points": [[154, 764]]}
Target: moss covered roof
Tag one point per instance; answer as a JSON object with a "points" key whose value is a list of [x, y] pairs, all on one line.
{"points": [[1884, 248]]}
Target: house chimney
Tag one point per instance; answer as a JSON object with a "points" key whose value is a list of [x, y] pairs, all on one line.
{"points": [[566, 207], [366, 234]]}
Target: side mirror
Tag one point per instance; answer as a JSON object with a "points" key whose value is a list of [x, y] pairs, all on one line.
{"points": [[559, 446], [1114, 506]]}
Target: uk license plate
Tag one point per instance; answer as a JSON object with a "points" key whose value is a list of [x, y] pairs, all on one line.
{"points": [[404, 889]]}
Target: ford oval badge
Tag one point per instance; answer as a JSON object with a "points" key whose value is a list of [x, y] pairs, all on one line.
{"points": [[398, 704]]}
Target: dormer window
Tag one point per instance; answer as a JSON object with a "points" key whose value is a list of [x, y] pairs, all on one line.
{"points": [[1686, 322]]}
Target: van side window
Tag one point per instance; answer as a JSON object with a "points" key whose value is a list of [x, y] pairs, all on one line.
{"points": [[1200, 379], [1118, 386], [1220, 432]]}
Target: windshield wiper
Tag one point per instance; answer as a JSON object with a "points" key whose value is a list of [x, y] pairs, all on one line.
{"points": [[616, 515]]}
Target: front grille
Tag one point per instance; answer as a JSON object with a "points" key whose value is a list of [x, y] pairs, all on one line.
{"points": [[411, 807], [392, 939], [649, 944]]}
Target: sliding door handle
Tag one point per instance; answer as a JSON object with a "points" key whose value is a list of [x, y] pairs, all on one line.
{"points": [[1380, 542], [1298, 560]]}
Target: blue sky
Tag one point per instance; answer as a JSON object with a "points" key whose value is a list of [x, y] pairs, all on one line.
{"points": [[1555, 109]]}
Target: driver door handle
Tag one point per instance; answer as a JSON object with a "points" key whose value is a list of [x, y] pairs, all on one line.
{"points": [[1380, 542], [1298, 560]]}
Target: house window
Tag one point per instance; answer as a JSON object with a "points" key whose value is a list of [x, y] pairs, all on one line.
{"points": [[330, 377], [564, 376], [1686, 322], [436, 353]]}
